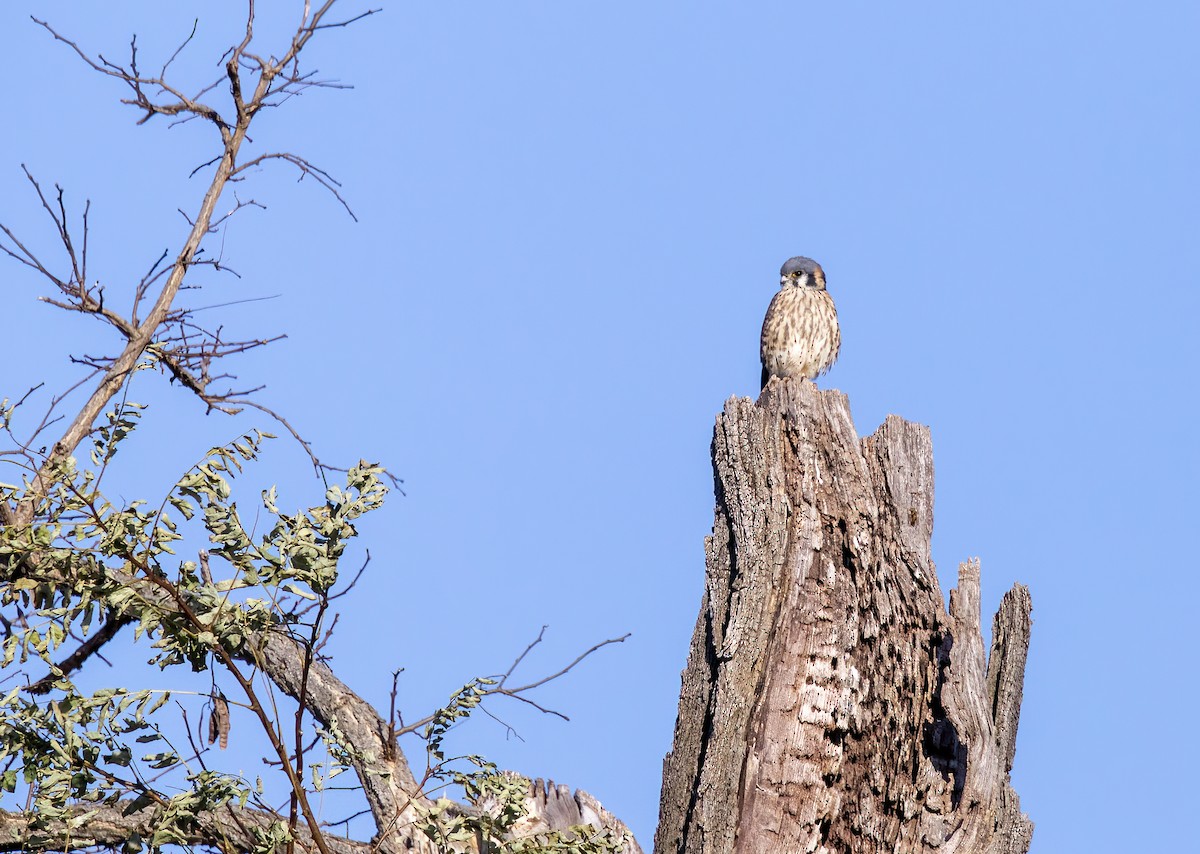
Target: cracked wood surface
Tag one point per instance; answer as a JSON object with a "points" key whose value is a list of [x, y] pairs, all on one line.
{"points": [[830, 703]]}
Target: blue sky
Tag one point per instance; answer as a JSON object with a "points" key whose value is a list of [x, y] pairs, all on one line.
{"points": [[571, 218]]}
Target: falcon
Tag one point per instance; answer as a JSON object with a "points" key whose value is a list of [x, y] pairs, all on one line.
{"points": [[800, 335]]}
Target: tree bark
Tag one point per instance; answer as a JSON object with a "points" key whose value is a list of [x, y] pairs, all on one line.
{"points": [[92, 827], [830, 703]]}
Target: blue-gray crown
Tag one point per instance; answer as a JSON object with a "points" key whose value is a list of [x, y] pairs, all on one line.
{"points": [[799, 264]]}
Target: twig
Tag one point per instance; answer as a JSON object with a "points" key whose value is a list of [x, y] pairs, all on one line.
{"points": [[516, 693], [509, 728], [237, 302], [178, 50], [394, 716], [347, 22], [354, 581], [306, 168], [565, 670]]}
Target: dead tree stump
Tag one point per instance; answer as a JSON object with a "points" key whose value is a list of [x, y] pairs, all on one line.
{"points": [[830, 703]]}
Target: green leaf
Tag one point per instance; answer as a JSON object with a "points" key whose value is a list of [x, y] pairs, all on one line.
{"points": [[137, 804], [303, 594]]}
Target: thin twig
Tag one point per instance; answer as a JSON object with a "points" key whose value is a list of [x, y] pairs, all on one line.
{"points": [[518, 693], [306, 168], [565, 670]]}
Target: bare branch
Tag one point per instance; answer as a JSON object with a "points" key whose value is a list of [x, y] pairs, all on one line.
{"points": [[306, 168], [217, 223], [72, 285], [514, 691], [509, 728], [237, 302], [318, 466], [48, 419], [192, 174], [26, 395], [516, 696], [178, 50], [394, 716], [346, 22], [518, 693], [137, 83], [155, 272], [525, 652], [350, 586]]}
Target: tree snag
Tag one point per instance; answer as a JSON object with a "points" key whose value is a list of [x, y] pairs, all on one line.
{"points": [[830, 703]]}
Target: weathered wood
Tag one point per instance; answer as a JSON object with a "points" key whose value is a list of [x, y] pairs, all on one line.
{"points": [[830, 704], [553, 807]]}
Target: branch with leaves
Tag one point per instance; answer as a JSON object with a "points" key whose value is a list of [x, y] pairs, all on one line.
{"points": [[129, 766], [248, 605]]}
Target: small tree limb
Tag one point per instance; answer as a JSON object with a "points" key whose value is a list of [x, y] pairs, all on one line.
{"points": [[227, 829]]}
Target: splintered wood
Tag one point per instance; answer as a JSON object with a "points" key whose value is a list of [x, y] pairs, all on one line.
{"points": [[830, 703]]}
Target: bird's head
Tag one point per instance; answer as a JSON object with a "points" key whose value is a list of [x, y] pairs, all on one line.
{"points": [[801, 272]]}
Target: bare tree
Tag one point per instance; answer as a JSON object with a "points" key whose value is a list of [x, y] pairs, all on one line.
{"points": [[252, 612], [830, 704]]}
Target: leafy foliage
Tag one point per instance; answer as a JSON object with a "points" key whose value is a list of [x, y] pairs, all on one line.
{"points": [[85, 559]]}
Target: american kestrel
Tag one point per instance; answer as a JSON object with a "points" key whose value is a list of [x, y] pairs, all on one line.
{"points": [[800, 335]]}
